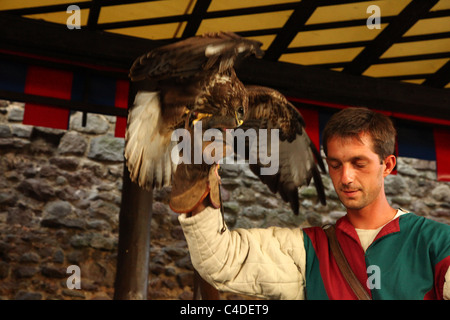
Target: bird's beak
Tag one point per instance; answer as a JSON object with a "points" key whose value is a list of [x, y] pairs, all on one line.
{"points": [[238, 121]]}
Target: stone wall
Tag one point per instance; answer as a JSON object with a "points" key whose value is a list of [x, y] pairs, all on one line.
{"points": [[60, 194]]}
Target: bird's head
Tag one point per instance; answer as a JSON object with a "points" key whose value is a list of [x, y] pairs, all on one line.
{"points": [[224, 103], [235, 106]]}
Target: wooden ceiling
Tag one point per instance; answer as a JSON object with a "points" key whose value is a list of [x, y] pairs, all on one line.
{"points": [[411, 45]]}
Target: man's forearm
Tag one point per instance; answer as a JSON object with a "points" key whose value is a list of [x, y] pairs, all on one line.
{"points": [[227, 260]]}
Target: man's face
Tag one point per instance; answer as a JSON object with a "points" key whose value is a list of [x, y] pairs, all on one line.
{"points": [[356, 171]]}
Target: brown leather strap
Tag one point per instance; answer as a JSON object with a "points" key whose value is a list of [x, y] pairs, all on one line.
{"points": [[343, 265]]}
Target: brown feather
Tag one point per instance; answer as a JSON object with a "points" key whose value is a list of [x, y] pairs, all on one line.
{"points": [[196, 75], [189, 76], [298, 157]]}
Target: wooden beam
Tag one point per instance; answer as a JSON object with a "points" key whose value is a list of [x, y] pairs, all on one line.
{"points": [[63, 104], [206, 15], [408, 77], [63, 7], [345, 89], [355, 44], [203, 290], [46, 9], [301, 14], [389, 35], [135, 216], [83, 45], [195, 19], [133, 255], [439, 79], [319, 84], [94, 13]]}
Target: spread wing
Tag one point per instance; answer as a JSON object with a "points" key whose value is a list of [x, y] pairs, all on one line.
{"points": [[298, 158], [170, 78], [192, 57]]}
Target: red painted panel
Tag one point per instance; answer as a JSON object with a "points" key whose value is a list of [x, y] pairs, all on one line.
{"points": [[50, 83]]}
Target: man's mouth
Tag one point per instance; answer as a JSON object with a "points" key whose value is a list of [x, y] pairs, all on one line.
{"points": [[350, 193]]}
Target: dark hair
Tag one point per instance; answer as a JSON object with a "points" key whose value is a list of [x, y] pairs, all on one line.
{"points": [[351, 122]]}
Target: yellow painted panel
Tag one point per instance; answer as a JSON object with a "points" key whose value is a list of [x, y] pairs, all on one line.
{"points": [[405, 68], [161, 31], [60, 17], [418, 47], [338, 35], [19, 4], [144, 10], [246, 22], [427, 26], [441, 5], [320, 57], [415, 81], [355, 11], [218, 5]]}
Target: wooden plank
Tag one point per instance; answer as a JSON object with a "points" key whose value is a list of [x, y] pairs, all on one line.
{"points": [[134, 242]]}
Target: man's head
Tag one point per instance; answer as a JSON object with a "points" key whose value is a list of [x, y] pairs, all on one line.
{"points": [[359, 145], [351, 122]]}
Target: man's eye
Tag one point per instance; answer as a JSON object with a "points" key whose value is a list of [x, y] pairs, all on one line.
{"points": [[334, 165], [360, 164]]}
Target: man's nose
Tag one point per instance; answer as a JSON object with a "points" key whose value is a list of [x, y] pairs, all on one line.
{"points": [[347, 174]]}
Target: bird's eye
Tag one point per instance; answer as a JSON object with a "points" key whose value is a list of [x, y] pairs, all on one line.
{"points": [[241, 110]]}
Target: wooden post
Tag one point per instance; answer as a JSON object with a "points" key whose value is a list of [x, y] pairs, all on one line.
{"points": [[134, 241], [203, 290]]}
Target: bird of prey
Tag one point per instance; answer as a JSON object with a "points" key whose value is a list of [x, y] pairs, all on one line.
{"points": [[194, 80]]}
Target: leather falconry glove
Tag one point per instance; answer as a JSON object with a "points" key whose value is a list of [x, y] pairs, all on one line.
{"points": [[192, 183]]}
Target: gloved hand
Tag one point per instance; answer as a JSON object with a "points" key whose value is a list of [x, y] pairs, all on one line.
{"points": [[191, 184]]}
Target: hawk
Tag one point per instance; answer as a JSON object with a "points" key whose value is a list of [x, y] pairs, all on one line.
{"points": [[194, 80]]}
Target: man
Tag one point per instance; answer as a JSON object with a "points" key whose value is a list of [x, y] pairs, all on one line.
{"points": [[394, 254]]}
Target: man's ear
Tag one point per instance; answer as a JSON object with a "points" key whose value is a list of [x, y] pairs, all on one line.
{"points": [[389, 165]]}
